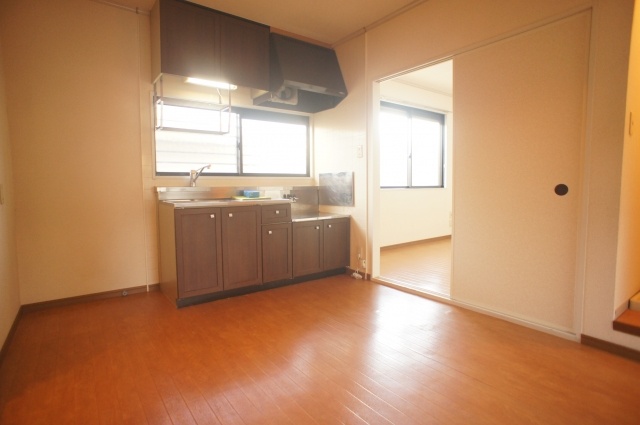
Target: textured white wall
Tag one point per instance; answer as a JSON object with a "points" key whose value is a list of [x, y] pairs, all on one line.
{"points": [[72, 85]]}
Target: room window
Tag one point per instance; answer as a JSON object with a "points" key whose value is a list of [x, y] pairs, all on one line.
{"points": [[411, 147], [259, 143]]}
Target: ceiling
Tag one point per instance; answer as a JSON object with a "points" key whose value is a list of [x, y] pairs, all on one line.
{"points": [[437, 78], [327, 21]]}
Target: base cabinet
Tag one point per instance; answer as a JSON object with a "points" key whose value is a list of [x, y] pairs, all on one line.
{"points": [[277, 258], [211, 253], [307, 248], [320, 245], [198, 246], [336, 243], [241, 245]]}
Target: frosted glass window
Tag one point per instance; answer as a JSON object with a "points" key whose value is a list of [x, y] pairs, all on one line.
{"points": [[274, 147], [258, 142], [411, 147]]}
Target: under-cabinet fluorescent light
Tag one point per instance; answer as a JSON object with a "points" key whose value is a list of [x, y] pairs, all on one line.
{"points": [[210, 83]]}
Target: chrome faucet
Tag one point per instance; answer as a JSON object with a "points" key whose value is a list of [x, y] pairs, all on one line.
{"points": [[195, 174]]}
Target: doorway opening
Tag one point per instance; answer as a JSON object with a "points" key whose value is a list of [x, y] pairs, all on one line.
{"points": [[415, 222]]}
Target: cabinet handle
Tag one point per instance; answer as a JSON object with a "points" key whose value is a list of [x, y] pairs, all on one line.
{"points": [[230, 214], [212, 216], [329, 226], [270, 232], [317, 227], [277, 212]]}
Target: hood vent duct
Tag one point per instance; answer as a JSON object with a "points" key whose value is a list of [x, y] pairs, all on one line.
{"points": [[303, 77]]}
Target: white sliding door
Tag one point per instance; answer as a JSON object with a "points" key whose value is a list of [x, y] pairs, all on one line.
{"points": [[519, 108]]}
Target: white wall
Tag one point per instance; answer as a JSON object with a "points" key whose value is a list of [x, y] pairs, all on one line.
{"points": [[408, 215], [9, 289], [338, 133], [72, 84]]}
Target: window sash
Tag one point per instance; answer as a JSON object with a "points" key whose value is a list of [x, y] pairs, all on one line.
{"points": [[259, 143], [411, 147]]}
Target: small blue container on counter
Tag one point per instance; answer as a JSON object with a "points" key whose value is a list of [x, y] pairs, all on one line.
{"points": [[251, 193]]}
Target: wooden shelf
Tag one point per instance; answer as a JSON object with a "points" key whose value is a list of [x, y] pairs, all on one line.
{"points": [[628, 322]]}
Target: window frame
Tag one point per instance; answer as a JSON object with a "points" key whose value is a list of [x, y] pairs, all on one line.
{"points": [[439, 117], [255, 114]]}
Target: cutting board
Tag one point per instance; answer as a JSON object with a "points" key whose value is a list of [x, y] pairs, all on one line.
{"points": [[245, 198]]}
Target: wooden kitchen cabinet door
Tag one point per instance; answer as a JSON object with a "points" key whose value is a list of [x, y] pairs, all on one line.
{"points": [[241, 244], [307, 248], [277, 261], [198, 251], [336, 243], [189, 40], [244, 52]]}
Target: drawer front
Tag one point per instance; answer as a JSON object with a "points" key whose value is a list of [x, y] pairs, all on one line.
{"points": [[279, 213]]}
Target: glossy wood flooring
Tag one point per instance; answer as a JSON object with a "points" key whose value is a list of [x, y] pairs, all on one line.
{"points": [[331, 351], [424, 266]]}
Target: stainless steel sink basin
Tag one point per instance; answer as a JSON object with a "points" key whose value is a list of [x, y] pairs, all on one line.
{"points": [[181, 201], [224, 202]]}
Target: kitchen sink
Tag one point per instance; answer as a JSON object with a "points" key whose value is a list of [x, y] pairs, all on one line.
{"points": [[222, 202]]}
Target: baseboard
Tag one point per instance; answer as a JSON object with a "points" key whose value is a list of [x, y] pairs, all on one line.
{"points": [[610, 347], [421, 241], [10, 335], [89, 297]]}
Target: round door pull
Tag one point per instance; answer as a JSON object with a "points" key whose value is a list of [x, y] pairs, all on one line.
{"points": [[212, 216], [561, 189], [230, 214], [270, 232]]}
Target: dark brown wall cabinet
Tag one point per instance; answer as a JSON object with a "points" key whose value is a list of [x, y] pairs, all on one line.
{"points": [[320, 245], [194, 41]]}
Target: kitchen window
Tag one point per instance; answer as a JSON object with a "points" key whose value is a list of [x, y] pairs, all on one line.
{"points": [[411, 147], [259, 143]]}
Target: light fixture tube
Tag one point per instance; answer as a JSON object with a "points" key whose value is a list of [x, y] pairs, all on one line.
{"points": [[210, 83]]}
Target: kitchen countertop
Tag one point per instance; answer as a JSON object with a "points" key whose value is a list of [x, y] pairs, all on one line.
{"points": [[316, 216], [222, 203], [203, 203]]}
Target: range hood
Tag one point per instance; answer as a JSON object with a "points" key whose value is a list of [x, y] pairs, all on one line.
{"points": [[303, 77]]}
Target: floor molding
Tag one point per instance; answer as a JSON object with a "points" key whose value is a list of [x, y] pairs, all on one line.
{"points": [[27, 308], [610, 347], [407, 244], [10, 335]]}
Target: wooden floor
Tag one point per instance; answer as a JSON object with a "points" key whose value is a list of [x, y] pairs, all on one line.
{"points": [[331, 351], [423, 266]]}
